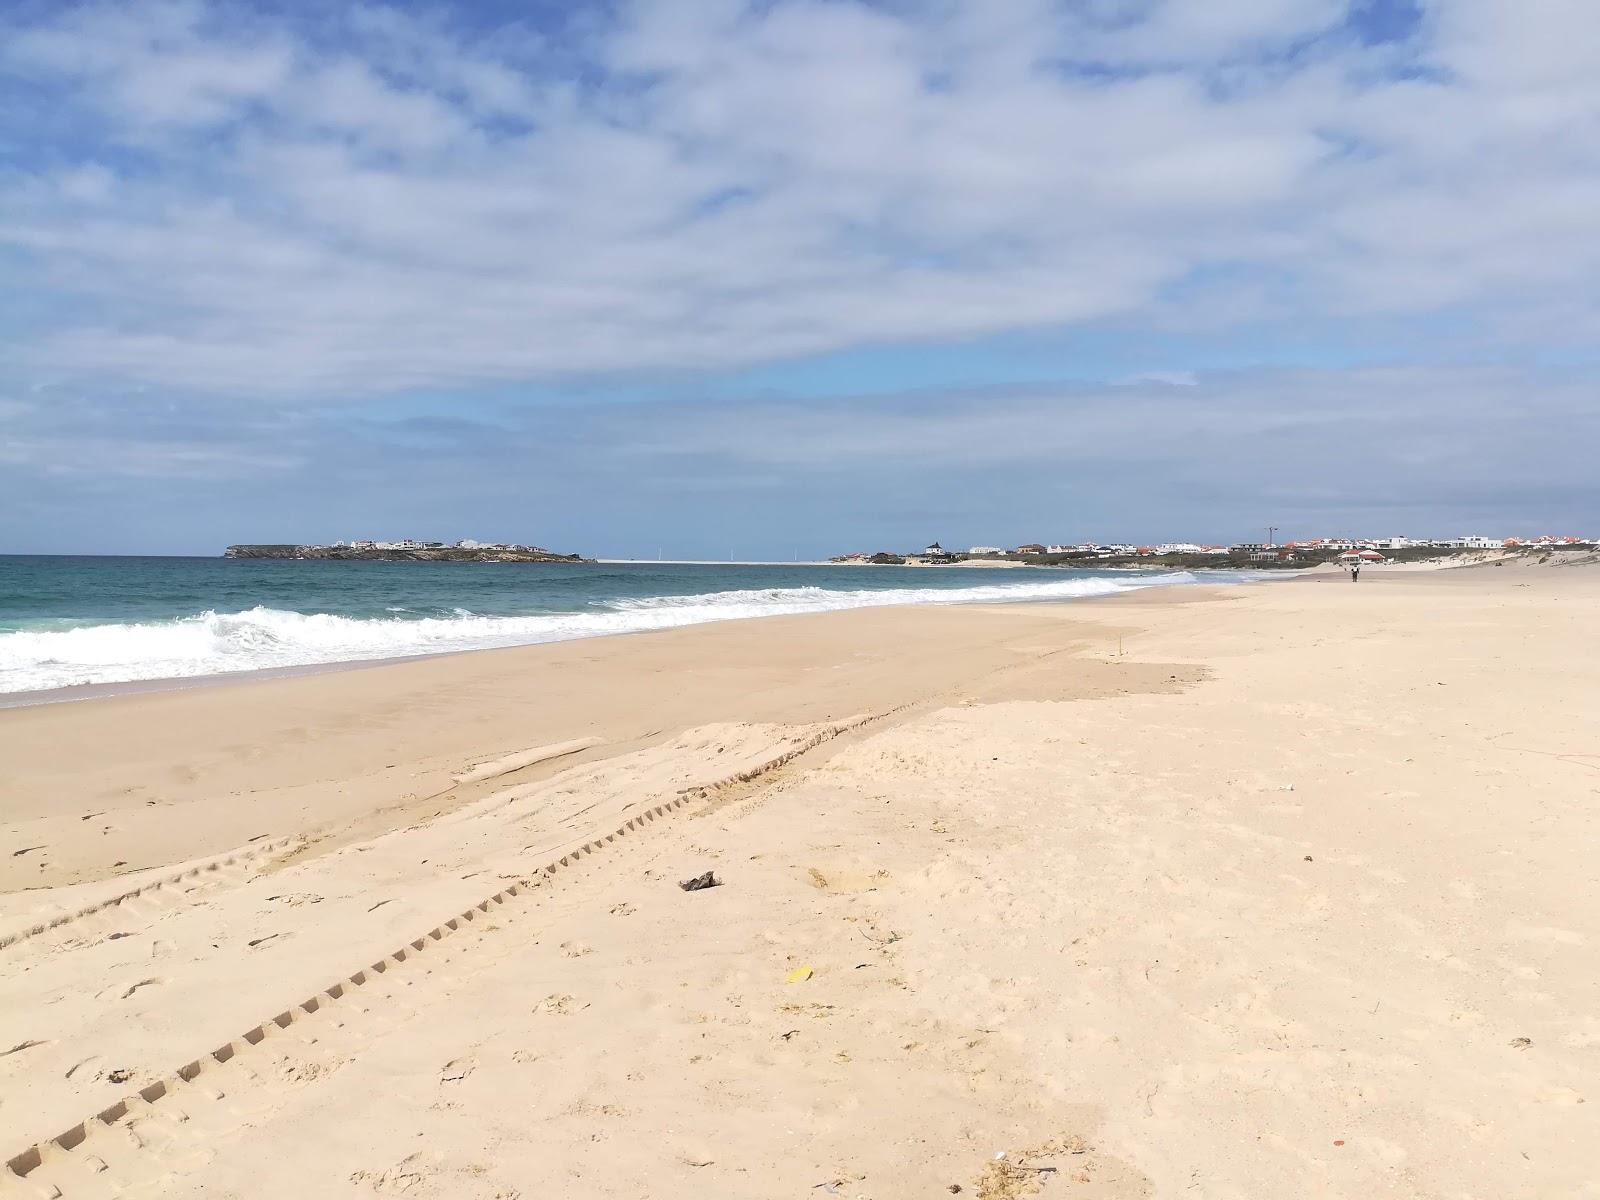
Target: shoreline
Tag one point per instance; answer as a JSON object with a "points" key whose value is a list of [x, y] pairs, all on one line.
{"points": [[1227, 883], [180, 683], [93, 691], [272, 739], [76, 693]]}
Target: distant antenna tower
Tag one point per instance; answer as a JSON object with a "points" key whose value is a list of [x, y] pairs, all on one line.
{"points": [[1272, 531]]}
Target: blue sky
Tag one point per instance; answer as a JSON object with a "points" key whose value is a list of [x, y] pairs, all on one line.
{"points": [[795, 277]]}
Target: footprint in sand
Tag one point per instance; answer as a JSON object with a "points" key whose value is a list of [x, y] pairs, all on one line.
{"points": [[575, 949], [305, 1072], [405, 1176], [123, 991], [426, 1173], [839, 880], [559, 1004], [458, 1069], [89, 1069]]}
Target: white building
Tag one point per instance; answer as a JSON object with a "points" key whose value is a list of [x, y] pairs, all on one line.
{"points": [[1390, 543], [1477, 543], [1178, 548], [985, 550]]}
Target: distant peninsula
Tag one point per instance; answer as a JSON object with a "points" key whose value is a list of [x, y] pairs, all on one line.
{"points": [[407, 551]]}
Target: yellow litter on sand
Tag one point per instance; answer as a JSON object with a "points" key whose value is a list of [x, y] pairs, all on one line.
{"points": [[798, 975]]}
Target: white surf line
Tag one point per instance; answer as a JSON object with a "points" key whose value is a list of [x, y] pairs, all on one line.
{"points": [[194, 870], [71, 1149], [495, 767]]}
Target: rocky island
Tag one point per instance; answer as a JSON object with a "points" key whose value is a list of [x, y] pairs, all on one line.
{"points": [[408, 551]]}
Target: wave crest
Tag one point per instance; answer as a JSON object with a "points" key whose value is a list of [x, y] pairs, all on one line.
{"points": [[212, 643]]}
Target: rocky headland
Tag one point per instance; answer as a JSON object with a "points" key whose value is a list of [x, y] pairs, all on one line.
{"points": [[430, 554]]}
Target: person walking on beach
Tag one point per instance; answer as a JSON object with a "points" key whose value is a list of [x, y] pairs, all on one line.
{"points": [[1355, 572]]}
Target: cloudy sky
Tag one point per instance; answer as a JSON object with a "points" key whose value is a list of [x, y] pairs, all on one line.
{"points": [[712, 278]]}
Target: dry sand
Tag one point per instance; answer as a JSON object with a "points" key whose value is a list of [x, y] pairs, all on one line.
{"points": [[1294, 896]]}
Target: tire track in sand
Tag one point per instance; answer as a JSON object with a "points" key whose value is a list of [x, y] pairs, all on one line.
{"points": [[136, 1144], [159, 896], [149, 900]]}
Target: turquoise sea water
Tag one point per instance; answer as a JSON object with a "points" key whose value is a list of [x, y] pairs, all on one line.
{"points": [[68, 621]]}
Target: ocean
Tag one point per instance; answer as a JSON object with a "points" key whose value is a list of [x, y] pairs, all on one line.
{"points": [[72, 621]]}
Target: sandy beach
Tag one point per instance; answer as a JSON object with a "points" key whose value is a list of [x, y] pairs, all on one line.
{"points": [[1273, 890]]}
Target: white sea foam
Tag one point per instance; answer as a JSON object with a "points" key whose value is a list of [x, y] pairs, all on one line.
{"points": [[263, 638]]}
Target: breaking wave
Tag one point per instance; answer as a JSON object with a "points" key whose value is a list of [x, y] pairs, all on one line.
{"points": [[212, 643]]}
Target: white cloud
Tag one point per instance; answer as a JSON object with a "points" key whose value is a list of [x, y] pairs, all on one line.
{"points": [[1415, 450], [246, 205], [79, 457], [1170, 378], [1321, 417], [1421, 449], [154, 63]]}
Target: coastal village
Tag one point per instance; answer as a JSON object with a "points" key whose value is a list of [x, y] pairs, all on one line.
{"points": [[1268, 554], [463, 544]]}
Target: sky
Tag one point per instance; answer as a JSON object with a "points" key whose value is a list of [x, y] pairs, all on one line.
{"points": [[711, 279]]}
